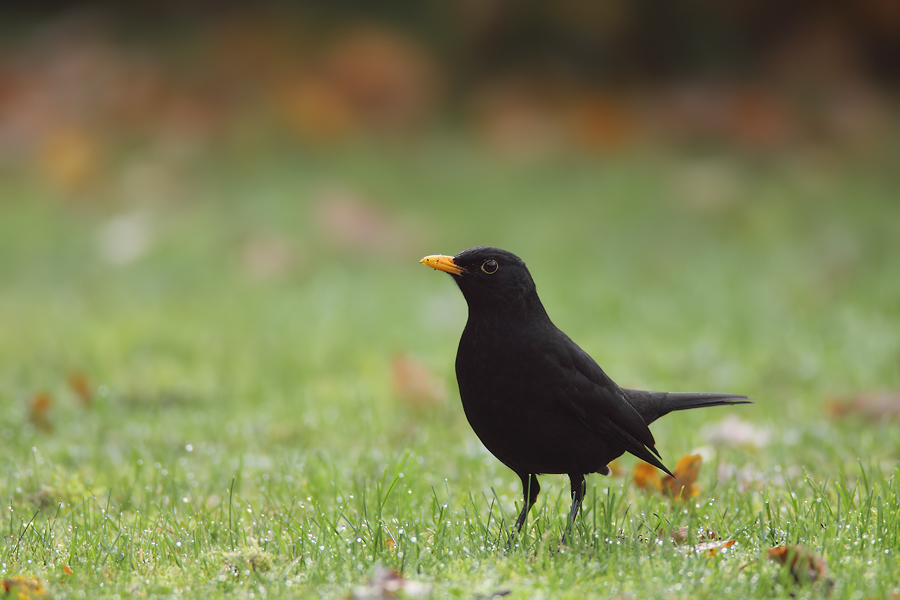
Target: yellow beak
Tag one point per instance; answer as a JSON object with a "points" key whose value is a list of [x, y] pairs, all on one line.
{"points": [[443, 263]]}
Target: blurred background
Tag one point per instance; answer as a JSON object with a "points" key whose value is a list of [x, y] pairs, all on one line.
{"points": [[212, 201], [212, 212], [88, 89]]}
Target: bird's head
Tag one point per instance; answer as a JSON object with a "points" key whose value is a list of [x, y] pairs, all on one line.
{"points": [[489, 278]]}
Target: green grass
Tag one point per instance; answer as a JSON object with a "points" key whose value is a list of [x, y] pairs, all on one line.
{"points": [[245, 439]]}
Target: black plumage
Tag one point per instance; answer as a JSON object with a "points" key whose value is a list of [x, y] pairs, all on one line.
{"points": [[536, 400]]}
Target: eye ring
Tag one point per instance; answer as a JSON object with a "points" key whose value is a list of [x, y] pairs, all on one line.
{"points": [[490, 266]]}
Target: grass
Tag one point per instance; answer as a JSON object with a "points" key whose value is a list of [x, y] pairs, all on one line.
{"points": [[244, 437]]}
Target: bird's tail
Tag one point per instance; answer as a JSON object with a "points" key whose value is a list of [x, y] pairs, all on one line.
{"points": [[653, 405]]}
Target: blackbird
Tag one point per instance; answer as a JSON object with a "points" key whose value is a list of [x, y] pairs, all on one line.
{"points": [[536, 400]]}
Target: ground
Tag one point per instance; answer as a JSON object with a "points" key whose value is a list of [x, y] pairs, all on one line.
{"points": [[235, 380]]}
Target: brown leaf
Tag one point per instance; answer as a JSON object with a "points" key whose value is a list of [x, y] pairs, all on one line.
{"points": [[758, 119], [615, 468], [603, 123], [78, 383], [267, 257], [647, 477], [388, 79], [686, 471], [514, 117], [351, 221], [315, 111], [22, 587], [680, 535], [709, 548], [415, 384], [38, 409], [681, 487], [805, 565], [877, 406], [70, 158]]}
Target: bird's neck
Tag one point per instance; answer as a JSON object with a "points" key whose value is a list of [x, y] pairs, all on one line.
{"points": [[514, 311]]}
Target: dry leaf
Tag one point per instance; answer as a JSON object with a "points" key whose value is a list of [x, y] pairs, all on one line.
{"points": [[708, 548], [78, 383], [415, 384], [22, 587], [805, 565], [603, 123], [353, 222], [315, 111], [68, 570], [879, 406], [680, 535], [516, 118], [389, 80], [615, 468], [38, 409], [758, 119], [686, 471], [70, 158], [646, 477], [267, 257]]}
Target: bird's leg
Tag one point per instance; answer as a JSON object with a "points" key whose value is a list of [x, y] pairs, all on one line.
{"points": [[578, 485], [530, 489]]}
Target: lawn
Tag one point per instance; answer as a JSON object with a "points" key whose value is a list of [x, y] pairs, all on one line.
{"points": [[232, 379]]}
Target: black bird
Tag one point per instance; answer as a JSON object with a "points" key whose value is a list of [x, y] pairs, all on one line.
{"points": [[536, 400]]}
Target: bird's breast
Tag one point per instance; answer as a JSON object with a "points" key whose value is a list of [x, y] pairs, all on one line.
{"points": [[510, 391]]}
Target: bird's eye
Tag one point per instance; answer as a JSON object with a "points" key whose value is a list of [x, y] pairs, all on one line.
{"points": [[490, 267]]}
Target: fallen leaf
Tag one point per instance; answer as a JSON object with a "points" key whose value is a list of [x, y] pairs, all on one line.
{"points": [[68, 570], [680, 535], [515, 118], [315, 111], [70, 158], [351, 221], [22, 587], [877, 406], [38, 409], [805, 565], [758, 119], [686, 472], [79, 384], [389, 80], [415, 384], [388, 583], [615, 468], [267, 257], [708, 548], [603, 123], [646, 477], [682, 487]]}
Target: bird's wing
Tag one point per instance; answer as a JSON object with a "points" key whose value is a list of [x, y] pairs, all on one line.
{"points": [[600, 404]]}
